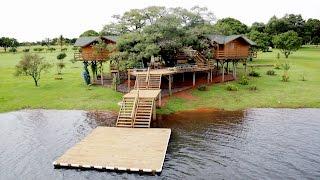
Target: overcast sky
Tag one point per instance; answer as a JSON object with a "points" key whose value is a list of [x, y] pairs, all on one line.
{"points": [[33, 20]]}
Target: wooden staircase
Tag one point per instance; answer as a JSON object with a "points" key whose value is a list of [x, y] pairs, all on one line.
{"points": [[143, 113], [202, 62], [136, 112], [148, 81], [127, 112]]}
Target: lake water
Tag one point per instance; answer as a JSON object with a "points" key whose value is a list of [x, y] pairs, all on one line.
{"points": [[251, 144]]}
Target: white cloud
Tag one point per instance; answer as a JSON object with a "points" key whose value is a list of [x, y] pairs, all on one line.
{"points": [[35, 20]]}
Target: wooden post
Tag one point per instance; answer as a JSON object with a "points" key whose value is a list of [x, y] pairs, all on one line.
{"points": [[170, 81], [235, 70], [194, 79], [101, 71], [129, 80], [182, 77], [222, 71], [245, 67], [160, 99], [227, 67], [154, 113], [208, 78]]}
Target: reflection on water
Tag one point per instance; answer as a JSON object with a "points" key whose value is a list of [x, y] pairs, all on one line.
{"points": [[252, 144]]}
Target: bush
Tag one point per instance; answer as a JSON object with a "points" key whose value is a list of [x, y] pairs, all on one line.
{"points": [[64, 49], [244, 80], [202, 87], [285, 78], [254, 74], [51, 49], [26, 50], [253, 88], [61, 56], [75, 48], [271, 72], [38, 49], [73, 60], [60, 66], [14, 50], [231, 87]]}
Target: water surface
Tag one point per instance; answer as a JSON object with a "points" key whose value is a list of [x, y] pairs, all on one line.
{"points": [[251, 144]]}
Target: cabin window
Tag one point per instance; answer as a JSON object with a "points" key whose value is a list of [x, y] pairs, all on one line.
{"points": [[232, 45]]}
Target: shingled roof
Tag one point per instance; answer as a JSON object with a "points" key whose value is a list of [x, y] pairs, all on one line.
{"points": [[85, 41], [221, 39]]}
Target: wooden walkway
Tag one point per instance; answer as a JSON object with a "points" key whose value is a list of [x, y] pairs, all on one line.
{"points": [[120, 149]]}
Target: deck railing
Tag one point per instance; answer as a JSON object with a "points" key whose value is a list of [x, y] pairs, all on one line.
{"points": [[81, 56]]}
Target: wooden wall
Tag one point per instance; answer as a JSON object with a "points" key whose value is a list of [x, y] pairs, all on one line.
{"points": [[88, 53], [236, 49]]}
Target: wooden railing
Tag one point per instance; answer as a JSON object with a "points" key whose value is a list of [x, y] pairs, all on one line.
{"points": [[237, 54], [81, 56]]}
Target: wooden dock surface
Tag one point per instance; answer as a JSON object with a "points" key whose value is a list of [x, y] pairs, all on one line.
{"points": [[124, 149]]}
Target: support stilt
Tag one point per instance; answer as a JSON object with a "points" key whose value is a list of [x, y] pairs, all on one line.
{"points": [[170, 84], [222, 71], [194, 79], [101, 71]]}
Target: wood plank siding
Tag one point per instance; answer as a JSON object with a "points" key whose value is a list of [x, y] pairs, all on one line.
{"points": [[236, 49]]}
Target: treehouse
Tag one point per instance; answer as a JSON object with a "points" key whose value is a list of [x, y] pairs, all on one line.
{"points": [[87, 51], [231, 49], [234, 47]]}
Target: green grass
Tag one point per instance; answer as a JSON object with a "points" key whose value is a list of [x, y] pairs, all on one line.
{"points": [[71, 92], [272, 92], [68, 93]]}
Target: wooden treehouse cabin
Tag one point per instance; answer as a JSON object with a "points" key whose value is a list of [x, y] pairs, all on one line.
{"points": [[234, 48], [87, 52]]}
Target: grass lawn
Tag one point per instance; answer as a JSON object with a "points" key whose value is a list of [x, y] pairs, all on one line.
{"points": [[71, 93], [68, 93], [272, 92]]}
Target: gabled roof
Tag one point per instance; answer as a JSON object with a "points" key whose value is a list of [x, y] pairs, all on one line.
{"points": [[221, 39], [85, 41]]}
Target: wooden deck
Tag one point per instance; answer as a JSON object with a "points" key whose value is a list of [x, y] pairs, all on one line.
{"points": [[122, 149]]}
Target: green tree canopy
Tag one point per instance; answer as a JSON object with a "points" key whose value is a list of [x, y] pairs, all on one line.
{"points": [[89, 33], [287, 42], [230, 26], [262, 39], [7, 42]]}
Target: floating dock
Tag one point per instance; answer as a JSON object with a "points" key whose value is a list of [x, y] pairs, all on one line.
{"points": [[119, 149]]}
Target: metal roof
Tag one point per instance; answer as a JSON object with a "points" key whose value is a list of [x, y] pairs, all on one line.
{"points": [[85, 41], [221, 39]]}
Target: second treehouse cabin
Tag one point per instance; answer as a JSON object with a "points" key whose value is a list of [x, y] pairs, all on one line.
{"points": [[231, 49]]}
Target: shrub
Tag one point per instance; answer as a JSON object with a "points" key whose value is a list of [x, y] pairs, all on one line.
{"points": [[60, 66], [75, 48], [231, 87], [73, 60], [26, 50], [38, 49], [244, 80], [254, 74], [285, 76], [51, 49], [64, 49], [14, 50], [61, 56], [253, 88], [271, 72], [202, 87]]}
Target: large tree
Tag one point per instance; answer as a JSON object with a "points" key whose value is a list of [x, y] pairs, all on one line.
{"points": [[157, 31], [312, 31], [7, 42], [230, 26], [287, 42], [262, 39]]}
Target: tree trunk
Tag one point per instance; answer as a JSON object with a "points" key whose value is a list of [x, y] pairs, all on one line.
{"points": [[5, 49], [35, 82]]}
